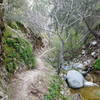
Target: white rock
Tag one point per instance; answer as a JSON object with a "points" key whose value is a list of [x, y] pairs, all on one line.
{"points": [[83, 52], [62, 92], [87, 84], [78, 66], [65, 76], [40, 82], [66, 67], [62, 76], [75, 79], [88, 62], [93, 53], [93, 43]]}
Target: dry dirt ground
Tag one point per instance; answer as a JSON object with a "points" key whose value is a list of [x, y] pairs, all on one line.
{"points": [[31, 85]]}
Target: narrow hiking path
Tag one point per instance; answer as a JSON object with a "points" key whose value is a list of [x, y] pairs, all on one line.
{"points": [[31, 85]]}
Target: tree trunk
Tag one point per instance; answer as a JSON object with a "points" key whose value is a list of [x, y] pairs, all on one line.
{"points": [[61, 57], [1, 28]]}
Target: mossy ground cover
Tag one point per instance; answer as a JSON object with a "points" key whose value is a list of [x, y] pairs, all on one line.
{"points": [[17, 50]]}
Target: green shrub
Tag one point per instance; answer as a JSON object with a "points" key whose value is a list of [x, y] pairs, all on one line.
{"points": [[13, 25], [97, 64], [18, 26], [17, 50]]}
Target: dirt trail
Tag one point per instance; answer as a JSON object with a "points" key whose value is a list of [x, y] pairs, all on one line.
{"points": [[31, 85]]}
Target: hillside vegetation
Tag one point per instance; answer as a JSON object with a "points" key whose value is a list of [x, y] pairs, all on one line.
{"points": [[49, 49]]}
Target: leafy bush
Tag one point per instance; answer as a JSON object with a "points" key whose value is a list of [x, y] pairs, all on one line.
{"points": [[13, 25], [97, 64], [18, 26], [17, 50]]}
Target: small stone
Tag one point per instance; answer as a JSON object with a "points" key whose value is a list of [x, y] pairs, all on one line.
{"points": [[79, 66], [65, 77], [66, 67], [40, 82], [87, 63], [94, 43], [62, 92], [83, 52], [93, 53], [61, 75]]}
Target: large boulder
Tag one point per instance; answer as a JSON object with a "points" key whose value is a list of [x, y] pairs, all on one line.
{"points": [[75, 79]]}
